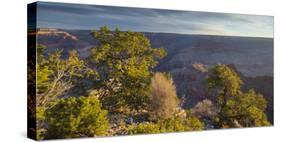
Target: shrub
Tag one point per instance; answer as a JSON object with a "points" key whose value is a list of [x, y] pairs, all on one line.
{"points": [[173, 124], [177, 124], [76, 117], [163, 97], [144, 128], [204, 109]]}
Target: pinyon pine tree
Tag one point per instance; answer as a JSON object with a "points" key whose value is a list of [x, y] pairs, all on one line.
{"points": [[235, 108]]}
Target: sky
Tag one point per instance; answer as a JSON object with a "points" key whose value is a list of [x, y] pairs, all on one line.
{"points": [[74, 16]]}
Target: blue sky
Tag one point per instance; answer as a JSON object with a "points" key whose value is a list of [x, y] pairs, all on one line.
{"points": [[73, 16]]}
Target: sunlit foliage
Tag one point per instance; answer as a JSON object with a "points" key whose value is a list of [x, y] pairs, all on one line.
{"points": [[124, 61], [236, 109], [76, 117]]}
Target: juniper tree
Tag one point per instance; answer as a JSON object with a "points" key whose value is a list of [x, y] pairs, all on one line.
{"points": [[124, 61], [235, 108], [55, 75]]}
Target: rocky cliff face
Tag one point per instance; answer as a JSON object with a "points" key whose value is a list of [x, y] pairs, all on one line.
{"points": [[189, 57], [57, 39]]}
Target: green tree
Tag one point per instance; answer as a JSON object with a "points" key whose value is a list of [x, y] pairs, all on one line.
{"points": [[163, 97], [235, 108], [42, 70], [76, 117], [247, 110], [40, 122], [172, 124], [225, 82], [56, 75], [124, 61]]}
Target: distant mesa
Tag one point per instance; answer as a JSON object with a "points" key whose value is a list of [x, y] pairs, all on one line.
{"points": [[200, 67], [54, 32]]}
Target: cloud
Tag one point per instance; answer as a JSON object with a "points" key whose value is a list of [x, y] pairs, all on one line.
{"points": [[73, 16]]}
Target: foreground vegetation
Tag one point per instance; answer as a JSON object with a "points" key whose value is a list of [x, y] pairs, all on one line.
{"points": [[115, 92]]}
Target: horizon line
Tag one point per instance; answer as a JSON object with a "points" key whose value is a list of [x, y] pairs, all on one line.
{"points": [[161, 32]]}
